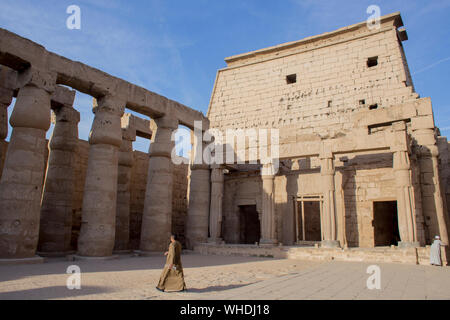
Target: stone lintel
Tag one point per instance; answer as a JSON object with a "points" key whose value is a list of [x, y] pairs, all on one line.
{"points": [[40, 78], [62, 96]]}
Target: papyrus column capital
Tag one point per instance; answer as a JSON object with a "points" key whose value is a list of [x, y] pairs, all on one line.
{"points": [[106, 128], [38, 78], [162, 144]]}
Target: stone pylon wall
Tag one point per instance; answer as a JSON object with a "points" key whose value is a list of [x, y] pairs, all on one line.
{"points": [[333, 80], [138, 185]]}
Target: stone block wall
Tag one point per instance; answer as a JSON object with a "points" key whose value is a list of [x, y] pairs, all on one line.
{"points": [[332, 81], [419, 256]]}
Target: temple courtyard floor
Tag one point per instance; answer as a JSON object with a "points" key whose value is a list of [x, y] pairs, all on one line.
{"points": [[224, 277]]}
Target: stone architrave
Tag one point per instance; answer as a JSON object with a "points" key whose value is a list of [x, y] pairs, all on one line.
{"points": [[327, 172], [268, 227], [57, 201], [98, 220], [21, 181], [215, 211], [157, 215], [123, 190]]}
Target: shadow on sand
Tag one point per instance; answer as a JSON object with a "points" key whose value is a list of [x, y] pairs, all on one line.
{"points": [[123, 263], [55, 292], [216, 288]]}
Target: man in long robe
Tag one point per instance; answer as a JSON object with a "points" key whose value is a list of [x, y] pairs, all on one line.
{"points": [[172, 277], [435, 252]]}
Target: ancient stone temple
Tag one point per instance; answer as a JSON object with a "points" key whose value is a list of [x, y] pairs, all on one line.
{"points": [[331, 150], [89, 198], [361, 162]]}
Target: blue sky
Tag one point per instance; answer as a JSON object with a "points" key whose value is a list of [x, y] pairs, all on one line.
{"points": [[175, 47]]}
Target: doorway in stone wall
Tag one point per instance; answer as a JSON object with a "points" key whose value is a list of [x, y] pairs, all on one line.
{"points": [[308, 217], [385, 223], [250, 230]]}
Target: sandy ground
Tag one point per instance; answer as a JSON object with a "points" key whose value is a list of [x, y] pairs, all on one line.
{"points": [[136, 277]]}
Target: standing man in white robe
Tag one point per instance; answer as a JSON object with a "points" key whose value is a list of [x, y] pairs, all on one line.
{"points": [[435, 252]]}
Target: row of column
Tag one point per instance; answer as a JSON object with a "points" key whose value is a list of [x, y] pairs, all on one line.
{"points": [[27, 227], [405, 193], [105, 207]]}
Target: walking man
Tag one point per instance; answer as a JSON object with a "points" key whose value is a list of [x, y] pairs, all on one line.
{"points": [[172, 277]]}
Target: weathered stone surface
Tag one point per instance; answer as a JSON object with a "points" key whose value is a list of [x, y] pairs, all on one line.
{"points": [[198, 206], [98, 223], [55, 233], [157, 215], [122, 235], [339, 122], [21, 181], [215, 211]]}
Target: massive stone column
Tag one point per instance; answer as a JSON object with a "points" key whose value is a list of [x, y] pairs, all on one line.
{"points": [[405, 191], [98, 221], [123, 190], [199, 196], [432, 199], [21, 181], [405, 200], [215, 210], [157, 215], [329, 231], [57, 201], [268, 227]]}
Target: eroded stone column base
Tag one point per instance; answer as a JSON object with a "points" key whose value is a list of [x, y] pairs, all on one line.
{"points": [[215, 240], [77, 257], [268, 242], [35, 259], [122, 252], [404, 244], [330, 244], [56, 254]]}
